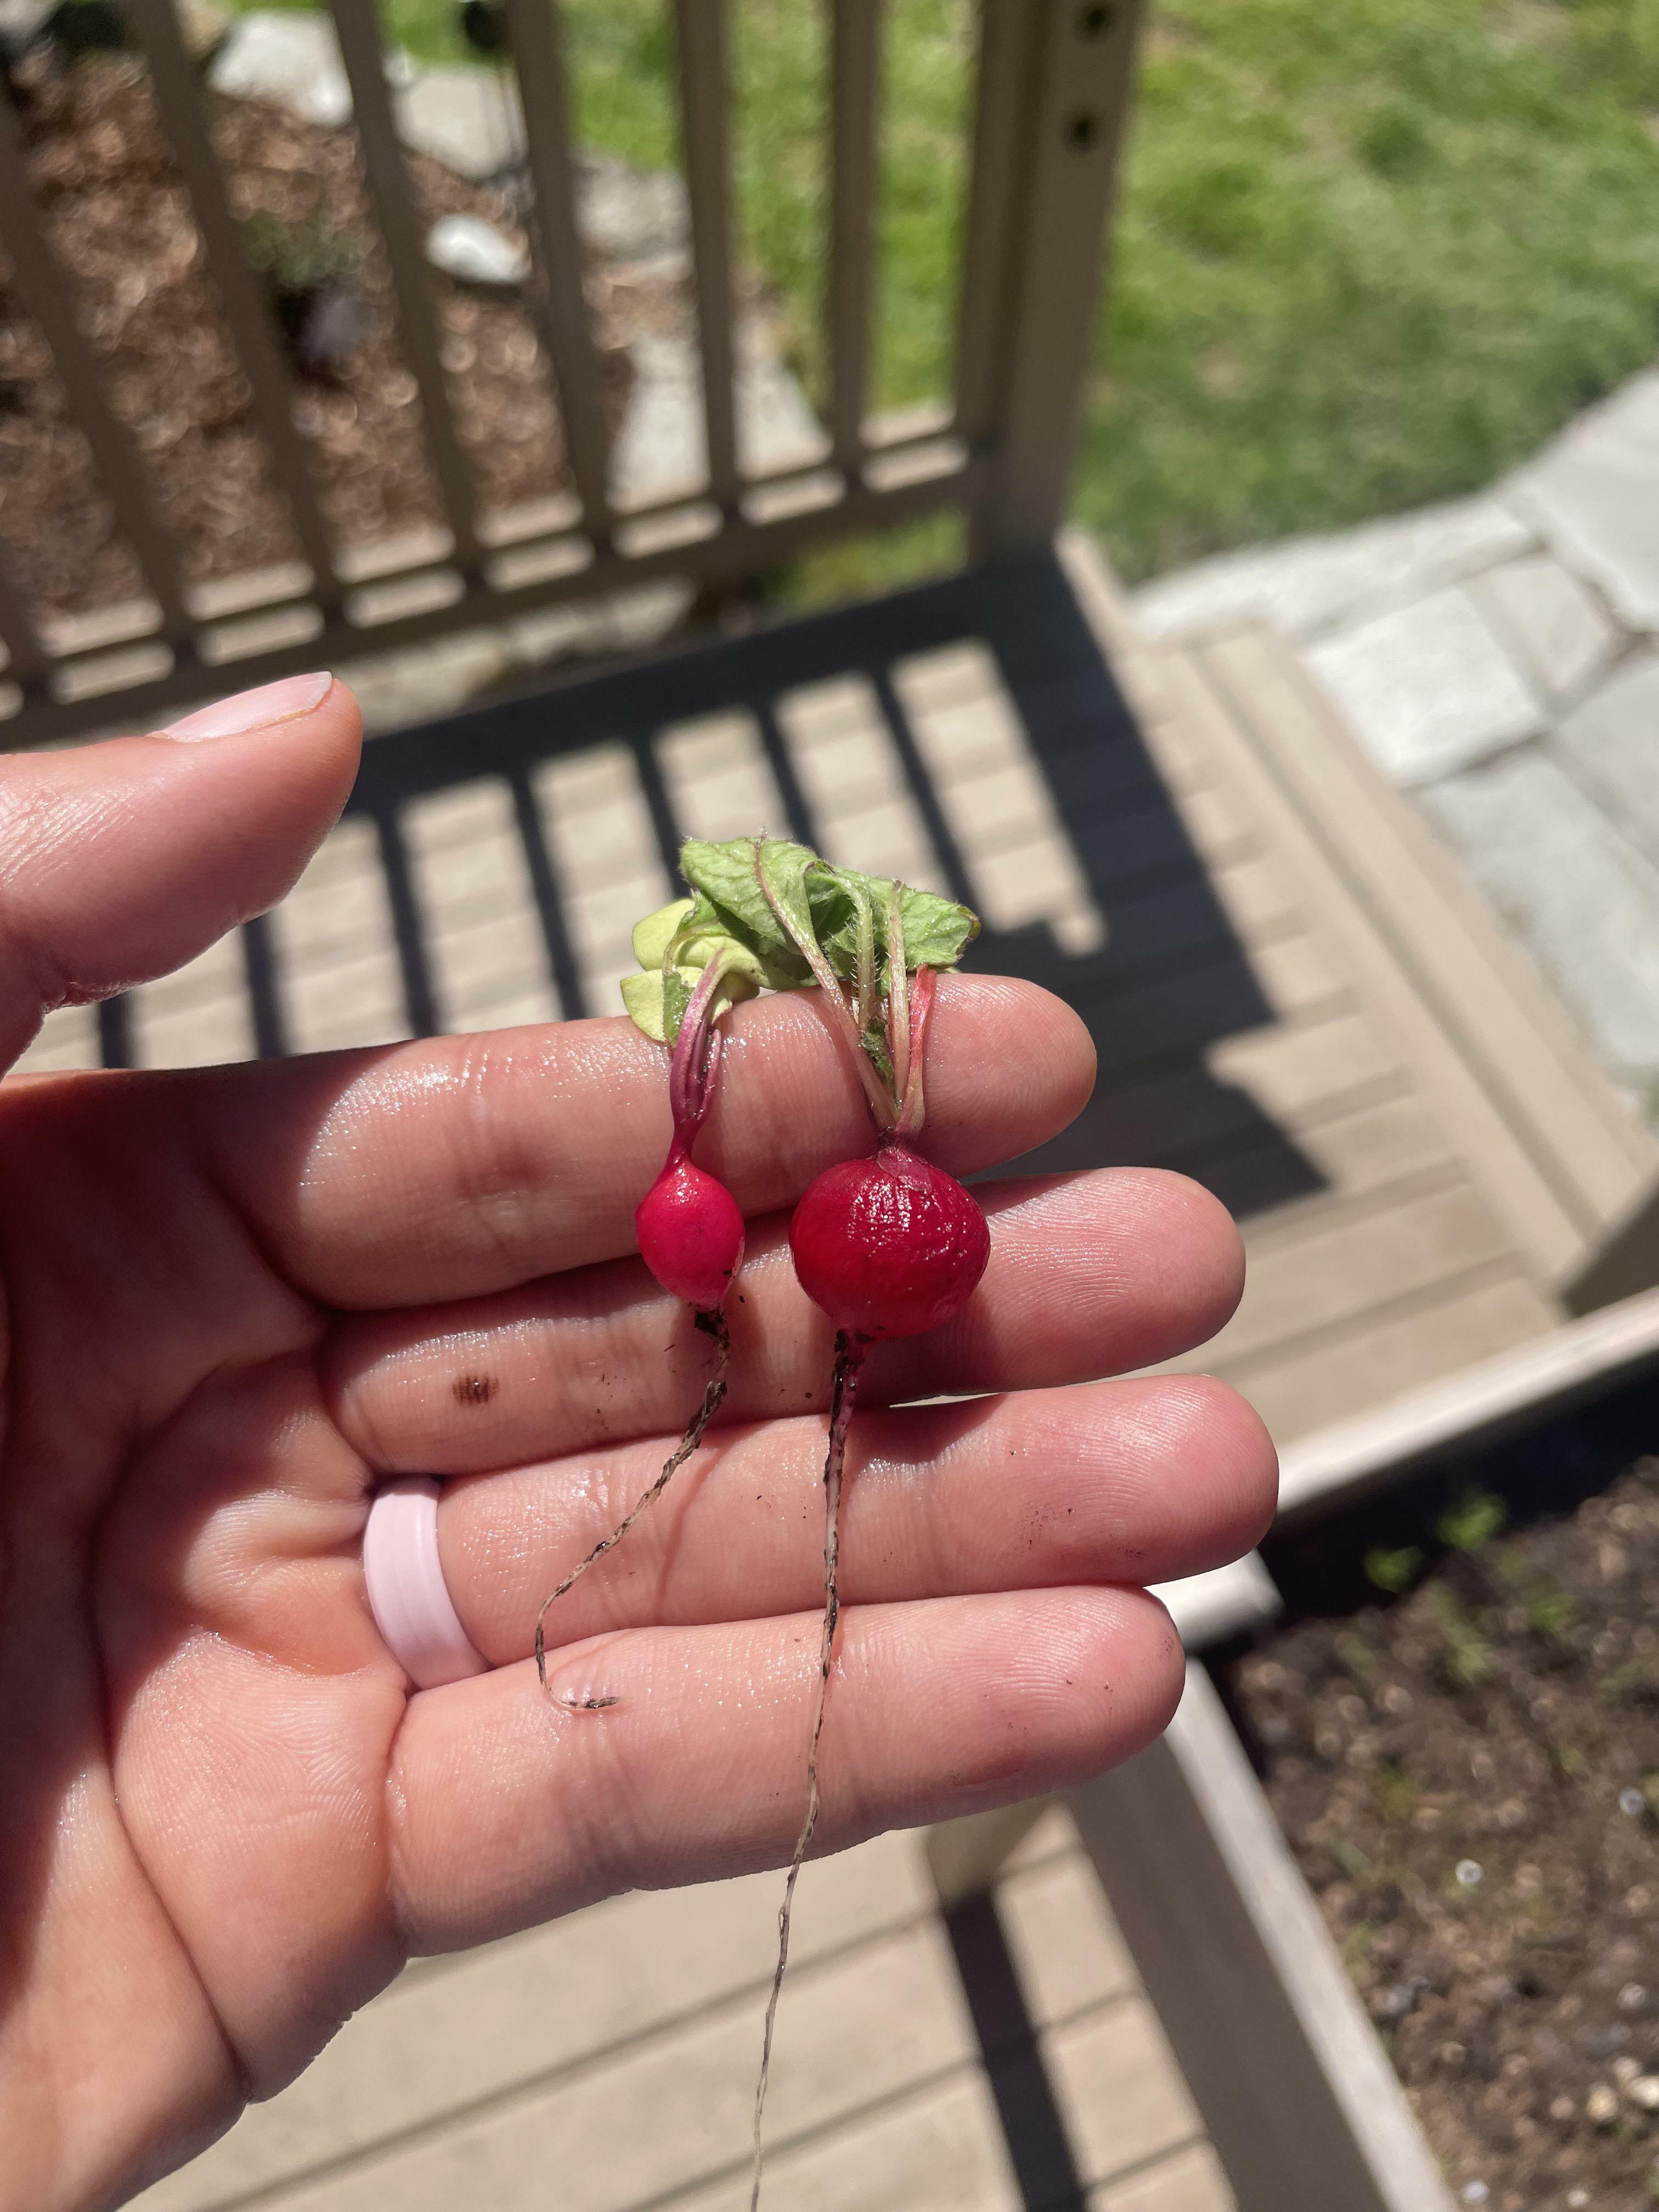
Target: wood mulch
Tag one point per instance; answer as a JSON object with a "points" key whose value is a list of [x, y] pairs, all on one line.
{"points": [[1469, 1778], [118, 216]]}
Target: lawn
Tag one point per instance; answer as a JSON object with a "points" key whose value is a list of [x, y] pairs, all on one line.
{"points": [[1370, 251]]}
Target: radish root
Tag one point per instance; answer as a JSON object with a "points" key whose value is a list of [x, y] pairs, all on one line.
{"points": [[712, 1323], [849, 1360]]}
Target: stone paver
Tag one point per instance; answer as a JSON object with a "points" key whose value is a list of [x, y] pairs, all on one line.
{"points": [[1558, 631], [1525, 619], [1309, 584], [1612, 745], [1428, 687], [1596, 498], [1580, 894]]}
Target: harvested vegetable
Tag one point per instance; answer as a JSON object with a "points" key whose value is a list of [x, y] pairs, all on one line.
{"points": [[689, 1226], [889, 1245]]}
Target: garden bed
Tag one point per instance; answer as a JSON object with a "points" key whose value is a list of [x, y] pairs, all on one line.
{"points": [[1465, 1760], [119, 219]]}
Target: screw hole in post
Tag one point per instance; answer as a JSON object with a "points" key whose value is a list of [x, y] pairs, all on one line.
{"points": [[1083, 131], [1094, 22]]}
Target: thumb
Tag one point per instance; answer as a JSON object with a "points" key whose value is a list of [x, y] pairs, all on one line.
{"points": [[120, 861]]}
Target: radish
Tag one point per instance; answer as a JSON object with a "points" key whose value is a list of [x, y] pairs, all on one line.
{"points": [[888, 1246], [689, 1226]]}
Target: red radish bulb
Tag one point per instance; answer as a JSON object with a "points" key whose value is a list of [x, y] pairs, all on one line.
{"points": [[888, 1246], [690, 1232]]}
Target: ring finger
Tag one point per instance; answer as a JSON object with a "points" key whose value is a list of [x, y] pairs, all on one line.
{"points": [[1131, 1482]]}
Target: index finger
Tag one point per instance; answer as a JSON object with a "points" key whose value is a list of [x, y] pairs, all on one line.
{"points": [[465, 1165]]}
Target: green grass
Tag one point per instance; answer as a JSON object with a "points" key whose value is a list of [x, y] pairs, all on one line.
{"points": [[1369, 254]]}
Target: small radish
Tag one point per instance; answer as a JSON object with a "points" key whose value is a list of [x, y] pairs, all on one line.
{"points": [[689, 1226], [887, 1246]]}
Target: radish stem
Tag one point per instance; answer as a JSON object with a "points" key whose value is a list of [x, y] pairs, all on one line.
{"points": [[849, 1359], [834, 1004], [712, 1323]]}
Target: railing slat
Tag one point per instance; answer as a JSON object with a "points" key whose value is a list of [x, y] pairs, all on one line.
{"points": [[46, 288], [26, 660], [183, 122], [855, 99], [704, 108], [1009, 44], [533, 26], [358, 30]]}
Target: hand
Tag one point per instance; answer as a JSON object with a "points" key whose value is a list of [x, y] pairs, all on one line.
{"points": [[238, 1298]]}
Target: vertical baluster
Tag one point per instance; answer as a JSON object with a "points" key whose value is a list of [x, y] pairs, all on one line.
{"points": [[47, 293], [538, 52], [357, 24], [26, 660], [705, 132], [855, 87], [1009, 46], [252, 325]]}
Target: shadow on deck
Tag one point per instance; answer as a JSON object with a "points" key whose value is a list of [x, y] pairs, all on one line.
{"points": [[968, 734]]}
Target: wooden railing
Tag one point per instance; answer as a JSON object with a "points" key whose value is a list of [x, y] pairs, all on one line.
{"points": [[1052, 79]]}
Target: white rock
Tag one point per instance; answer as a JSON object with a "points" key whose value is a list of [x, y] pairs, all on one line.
{"points": [[1428, 687], [662, 448], [467, 119], [630, 214], [292, 60], [1303, 585], [1580, 896], [1602, 2106], [468, 247], [1556, 628], [1644, 2091]]}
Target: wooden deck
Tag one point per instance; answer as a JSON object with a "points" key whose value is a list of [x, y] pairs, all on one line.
{"points": [[1294, 1000]]}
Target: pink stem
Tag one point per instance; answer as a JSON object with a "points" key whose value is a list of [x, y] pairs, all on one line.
{"points": [[695, 1058], [913, 1112], [882, 1106]]}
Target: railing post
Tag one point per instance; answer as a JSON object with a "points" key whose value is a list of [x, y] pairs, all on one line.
{"points": [[1075, 63]]}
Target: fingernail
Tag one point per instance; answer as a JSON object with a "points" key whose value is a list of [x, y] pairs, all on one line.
{"points": [[254, 710]]}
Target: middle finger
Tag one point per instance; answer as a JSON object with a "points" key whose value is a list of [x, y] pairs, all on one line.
{"points": [[1135, 1482], [1089, 1275]]}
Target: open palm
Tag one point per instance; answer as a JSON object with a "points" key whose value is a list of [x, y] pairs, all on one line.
{"points": [[237, 1299]]}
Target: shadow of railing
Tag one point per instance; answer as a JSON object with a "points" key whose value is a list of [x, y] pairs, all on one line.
{"points": [[1143, 947]]}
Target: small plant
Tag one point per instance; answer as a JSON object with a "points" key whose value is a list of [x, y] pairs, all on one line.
{"points": [[311, 273], [887, 1246], [689, 1226], [1472, 1521], [1467, 1653], [1398, 1793], [1393, 1571]]}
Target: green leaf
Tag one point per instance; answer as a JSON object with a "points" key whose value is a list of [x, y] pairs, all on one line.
{"points": [[875, 1043], [644, 997], [653, 936], [936, 930], [724, 876]]}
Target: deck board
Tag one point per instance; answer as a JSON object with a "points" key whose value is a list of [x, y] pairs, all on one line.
{"points": [[1140, 839]]}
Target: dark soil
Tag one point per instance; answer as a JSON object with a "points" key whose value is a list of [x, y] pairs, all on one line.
{"points": [[1469, 1778], [119, 218]]}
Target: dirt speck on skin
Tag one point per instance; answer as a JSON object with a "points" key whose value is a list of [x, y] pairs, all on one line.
{"points": [[1469, 1779], [474, 1390]]}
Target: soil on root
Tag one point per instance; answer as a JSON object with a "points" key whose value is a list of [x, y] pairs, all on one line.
{"points": [[1469, 1778], [118, 217]]}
